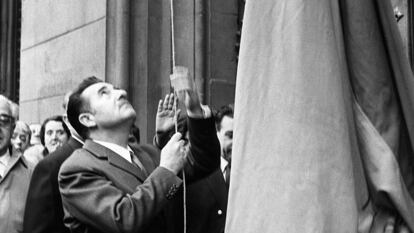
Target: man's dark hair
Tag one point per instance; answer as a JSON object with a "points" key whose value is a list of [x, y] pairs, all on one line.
{"points": [[43, 130], [226, 110], [77, 105]]}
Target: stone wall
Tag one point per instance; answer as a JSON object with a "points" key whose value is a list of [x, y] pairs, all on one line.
{"points": [[65, 41], [62, 42]]}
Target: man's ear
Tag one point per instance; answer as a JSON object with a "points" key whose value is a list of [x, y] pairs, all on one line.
{"points": [[87, 119]]}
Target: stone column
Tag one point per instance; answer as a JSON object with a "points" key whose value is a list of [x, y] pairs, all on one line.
{"points": [[10, 14], [150, 60], [117, 43]]}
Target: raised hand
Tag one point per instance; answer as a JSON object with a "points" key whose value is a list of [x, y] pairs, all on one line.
{"points": [[165, 114], [184, 86]]}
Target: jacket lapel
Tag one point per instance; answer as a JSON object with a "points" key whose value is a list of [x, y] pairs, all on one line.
{"points": [[114, 159], [145, 159], [218, 187]]}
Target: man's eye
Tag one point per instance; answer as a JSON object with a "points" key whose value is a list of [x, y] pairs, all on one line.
{"points": [[49, 132]]}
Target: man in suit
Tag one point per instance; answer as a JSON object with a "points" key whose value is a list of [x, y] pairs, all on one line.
{"points": [[15, 174], [206, 198], [44, 211], [107, 187]]}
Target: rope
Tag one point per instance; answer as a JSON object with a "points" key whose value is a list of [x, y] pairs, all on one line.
{"points": [[172, 33], [185, 202], [175, 114]]}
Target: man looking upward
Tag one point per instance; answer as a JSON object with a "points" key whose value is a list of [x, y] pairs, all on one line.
{"points": [[108, 187]]}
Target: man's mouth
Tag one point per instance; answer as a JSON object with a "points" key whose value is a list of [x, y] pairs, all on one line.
{"points": [[123, 101]]}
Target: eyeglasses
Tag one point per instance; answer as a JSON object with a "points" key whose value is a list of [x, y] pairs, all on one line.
{"points": [[5, 120]]}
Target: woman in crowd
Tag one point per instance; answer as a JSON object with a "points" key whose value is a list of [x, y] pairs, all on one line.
{"points": [[53, 134]]}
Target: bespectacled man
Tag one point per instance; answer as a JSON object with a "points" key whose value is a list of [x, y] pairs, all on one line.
{"points": [[15, 174]]}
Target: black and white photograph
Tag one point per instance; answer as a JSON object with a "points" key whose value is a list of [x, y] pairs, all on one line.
{"points": [[206, 116]]}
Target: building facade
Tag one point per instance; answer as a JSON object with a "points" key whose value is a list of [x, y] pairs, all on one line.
{"points": [[127, 43], [51, 45]]}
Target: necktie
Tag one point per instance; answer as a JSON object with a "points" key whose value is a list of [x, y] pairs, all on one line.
{"points": [[227, 174], [138, 163]]}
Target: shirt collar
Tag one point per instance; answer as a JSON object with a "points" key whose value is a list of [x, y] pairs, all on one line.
{"points": [[78, 139], [121, 151], [223, 163], [5, 159]]}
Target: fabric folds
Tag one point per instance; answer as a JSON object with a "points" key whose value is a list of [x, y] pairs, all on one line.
{"points": [[323, 120]]}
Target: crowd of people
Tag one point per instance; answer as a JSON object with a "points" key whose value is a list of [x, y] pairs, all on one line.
{"points": [[86, 171]]}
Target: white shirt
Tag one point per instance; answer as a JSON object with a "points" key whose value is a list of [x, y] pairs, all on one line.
{"points": [[223, 164], [122, 151], [4, 162]]}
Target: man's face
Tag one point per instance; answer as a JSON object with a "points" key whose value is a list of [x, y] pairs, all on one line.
{"points": [[108, 105], [225, 136], [21, 137], [6, 126]]}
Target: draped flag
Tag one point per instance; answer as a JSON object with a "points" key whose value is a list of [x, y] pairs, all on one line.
{"points": [[324, 120]]}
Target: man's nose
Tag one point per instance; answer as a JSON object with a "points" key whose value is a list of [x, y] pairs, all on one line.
{"points": [[122, 93]]}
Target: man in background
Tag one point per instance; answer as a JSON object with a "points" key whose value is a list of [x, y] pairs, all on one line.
{"points": [[15, 174], [206, 198]]}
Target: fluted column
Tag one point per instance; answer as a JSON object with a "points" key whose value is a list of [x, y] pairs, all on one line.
{"points": [[117, 42]]}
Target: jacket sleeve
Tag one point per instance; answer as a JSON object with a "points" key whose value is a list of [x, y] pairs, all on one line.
{"points": [[94, 200], [204, 155]]}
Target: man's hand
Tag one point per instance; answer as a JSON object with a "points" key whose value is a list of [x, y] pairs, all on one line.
{"points": [[165, 114], [184, 86], [173, 154]]}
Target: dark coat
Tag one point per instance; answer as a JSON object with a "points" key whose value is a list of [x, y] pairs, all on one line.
{"points": [[44, 211], [206, 206], [206, 201], [102, 192]]}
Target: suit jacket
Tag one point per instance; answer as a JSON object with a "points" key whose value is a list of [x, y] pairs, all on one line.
{"points": [[44, 211], [102, 192], [206, 201], [13, 192], [207, 204]]}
